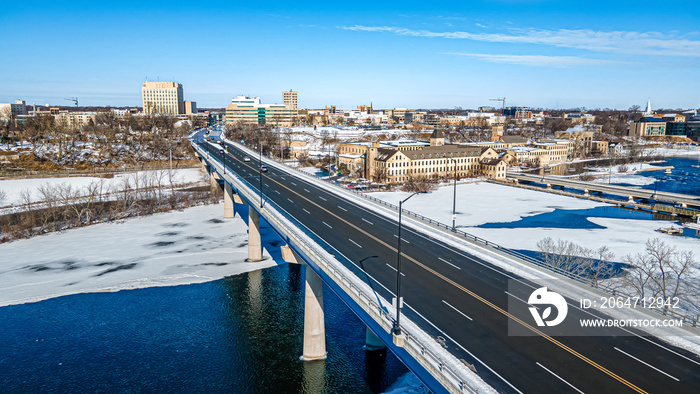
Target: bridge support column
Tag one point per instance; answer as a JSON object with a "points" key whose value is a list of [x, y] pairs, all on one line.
{"points": [[213, 182], [372, 342], [254, 243], [314, 326], [630, 199], [585, 192], [228, 201], [205, 167]]}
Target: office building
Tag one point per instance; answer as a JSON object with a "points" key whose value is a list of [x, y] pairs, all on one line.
{"points": [[290, 99], [249, 110], [162, 98]]}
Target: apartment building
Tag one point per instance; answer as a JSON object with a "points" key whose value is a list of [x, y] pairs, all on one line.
{"points": [[74, 120], [13, 110], [580, 134], [162, 98]]}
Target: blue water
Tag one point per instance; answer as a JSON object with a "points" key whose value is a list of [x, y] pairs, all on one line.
{"points": [[572, 218], [684, 178], [240, 334]]}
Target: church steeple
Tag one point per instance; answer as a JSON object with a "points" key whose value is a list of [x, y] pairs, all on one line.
{"points": [[649, 112]]}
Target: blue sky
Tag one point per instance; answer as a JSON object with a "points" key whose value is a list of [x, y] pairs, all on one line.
{"points": [[429, 54]]}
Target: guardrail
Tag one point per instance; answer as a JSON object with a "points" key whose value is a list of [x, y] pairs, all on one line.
{"points": [[449, 372]]}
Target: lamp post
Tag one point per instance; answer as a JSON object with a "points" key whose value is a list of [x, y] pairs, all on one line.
{"points": [[224, 154], [397, 328], [454, 194], [260, 175]]}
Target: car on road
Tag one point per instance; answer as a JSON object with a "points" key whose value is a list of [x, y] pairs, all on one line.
{"points": [[263, 168], [246, 158]]}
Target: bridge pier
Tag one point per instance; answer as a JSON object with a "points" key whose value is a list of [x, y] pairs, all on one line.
{"points": [[228, 201], [585, 192], [254, 242], [372, 342], [314, 327], [213, 182]]}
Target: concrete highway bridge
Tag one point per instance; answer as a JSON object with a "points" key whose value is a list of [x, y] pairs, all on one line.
{"points": [[681, 200], [458, 329]]}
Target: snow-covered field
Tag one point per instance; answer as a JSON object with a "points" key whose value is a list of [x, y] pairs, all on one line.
{"points": [[190, 246], [482, 202], [13, 187]]}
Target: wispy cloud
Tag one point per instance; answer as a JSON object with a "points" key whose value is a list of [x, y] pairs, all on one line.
{"points": [[539, 60], [628, 42]]}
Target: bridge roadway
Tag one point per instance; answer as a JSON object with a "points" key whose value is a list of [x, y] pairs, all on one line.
{"points": [[463, 299], [636, 192]]}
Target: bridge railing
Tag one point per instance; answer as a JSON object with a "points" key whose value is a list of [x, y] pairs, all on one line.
{"points": [[441, 364]]}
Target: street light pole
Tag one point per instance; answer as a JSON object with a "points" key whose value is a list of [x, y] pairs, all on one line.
{"points": [[397, 328], [260, 175], [454, 195], [223, 152]]}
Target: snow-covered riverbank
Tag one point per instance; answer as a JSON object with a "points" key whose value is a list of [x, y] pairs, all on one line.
{"points": [[190, 246], [481, 202]]}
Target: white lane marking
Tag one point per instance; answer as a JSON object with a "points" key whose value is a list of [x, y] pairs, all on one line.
{"points": [[647, 364], [402, 274], [322, 198], [306, 211], [463, 348], [283, 178], [368, 221], [403, 239], [277, 192], [458, 311], [267, 185], [329, 226], [356, 244], [520, 299], [307, 190], [290, 201], [342, 208], [294, 184], [441, 259], [560, 378]]}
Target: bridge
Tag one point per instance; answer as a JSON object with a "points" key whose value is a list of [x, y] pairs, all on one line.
{"points": [[455, 317], [683, 200]]}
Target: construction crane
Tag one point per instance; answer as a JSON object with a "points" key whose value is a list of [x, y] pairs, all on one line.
{"points": [[73, 99], [503, 100]]}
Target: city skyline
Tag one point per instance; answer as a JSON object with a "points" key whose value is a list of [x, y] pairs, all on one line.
{"points": [[394, 55]]}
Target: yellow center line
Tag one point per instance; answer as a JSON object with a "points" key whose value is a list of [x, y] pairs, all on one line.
{"points": [[471, 293]]}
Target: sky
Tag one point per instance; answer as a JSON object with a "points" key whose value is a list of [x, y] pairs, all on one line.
{"points": [[395, 54]]}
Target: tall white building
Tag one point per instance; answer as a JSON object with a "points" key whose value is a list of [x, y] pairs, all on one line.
{"points": [[162, 98]]}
